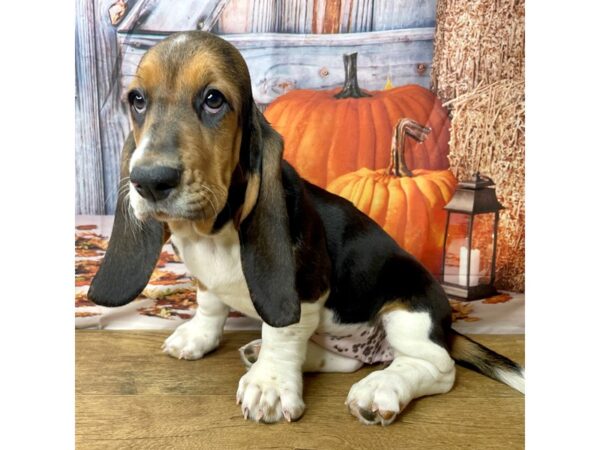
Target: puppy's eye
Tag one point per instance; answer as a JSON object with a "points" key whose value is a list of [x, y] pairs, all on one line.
{"points": [[213, 101], [137, 101]]}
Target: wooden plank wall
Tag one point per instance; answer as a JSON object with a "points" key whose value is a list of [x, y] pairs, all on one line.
{"points": [[166, 17], [399, 42], [278, 62], [114, 124], [101, 118], [394, 14], [324, 16], [88, 147]]}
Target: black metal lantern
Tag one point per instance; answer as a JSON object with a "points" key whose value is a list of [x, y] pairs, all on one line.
{"points": [[469, 256]]}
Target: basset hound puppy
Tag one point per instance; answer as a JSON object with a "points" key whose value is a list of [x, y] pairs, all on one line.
{"points": [[203, 166]]}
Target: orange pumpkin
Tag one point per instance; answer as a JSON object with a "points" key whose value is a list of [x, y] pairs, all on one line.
{"points": [[408, 205], [332, 132]]}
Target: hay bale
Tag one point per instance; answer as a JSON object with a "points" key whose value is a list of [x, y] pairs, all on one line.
{"points": [[478, 71], [477, 42], [488, 136]]}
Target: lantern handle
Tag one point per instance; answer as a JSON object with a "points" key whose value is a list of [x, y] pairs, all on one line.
{"points": [[477, 181], [403, 128], [478, 176]]}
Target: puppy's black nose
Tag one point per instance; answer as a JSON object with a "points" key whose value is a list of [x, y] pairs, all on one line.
{"points": [[154, 182]]}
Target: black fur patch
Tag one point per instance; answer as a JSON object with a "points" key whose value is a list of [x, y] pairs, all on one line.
{"points": [[337, 247], [265, 243], [313, 266]]}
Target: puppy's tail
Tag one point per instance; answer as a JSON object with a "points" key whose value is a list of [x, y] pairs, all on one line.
{"points": [[472, 355]]}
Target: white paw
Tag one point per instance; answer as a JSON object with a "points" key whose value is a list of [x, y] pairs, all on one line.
{"points": [[379, 397], [269, 393], [191, 341]]}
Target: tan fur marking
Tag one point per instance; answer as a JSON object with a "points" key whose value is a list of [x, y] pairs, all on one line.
{"points": [[207, 68], [251, 196], [387, 415], [199, 284], [270, 186], [191, 228], [463, 349], [176, 226], [203, 227], [209, 158], [166, 233], [149, 73], [396, 305]]}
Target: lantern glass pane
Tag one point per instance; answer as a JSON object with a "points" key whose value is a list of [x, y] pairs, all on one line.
{"points": [[483, 245], [456, 248]]}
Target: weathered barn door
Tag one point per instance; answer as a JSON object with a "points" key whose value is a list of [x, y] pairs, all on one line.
{"points": [[288, 44]]}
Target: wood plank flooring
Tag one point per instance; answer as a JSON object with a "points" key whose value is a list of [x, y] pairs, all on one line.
{"points": [[131, 395]]}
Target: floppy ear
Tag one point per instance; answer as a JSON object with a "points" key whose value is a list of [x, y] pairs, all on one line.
{"points": [[266, 248], [133, 249]]}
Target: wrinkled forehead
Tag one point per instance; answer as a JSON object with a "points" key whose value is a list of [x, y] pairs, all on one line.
{"points": [[184, 64]]}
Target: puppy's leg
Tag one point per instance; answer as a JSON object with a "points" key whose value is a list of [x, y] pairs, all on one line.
{"points": [[318, 359], [420, 367], [272, 389], [202, 333]]}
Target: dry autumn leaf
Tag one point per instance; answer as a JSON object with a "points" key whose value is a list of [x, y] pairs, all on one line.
{"points": [[82, 300], [500, 298], [165, 258], [462, 311], [86, 314], [166, 277]]}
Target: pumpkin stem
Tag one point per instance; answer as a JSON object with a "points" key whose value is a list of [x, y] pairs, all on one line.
{"points": [[403, 128], [350, 88]]}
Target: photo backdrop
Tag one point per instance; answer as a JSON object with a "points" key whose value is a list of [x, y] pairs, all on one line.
{"points": [[455, 67], [288, 45]]}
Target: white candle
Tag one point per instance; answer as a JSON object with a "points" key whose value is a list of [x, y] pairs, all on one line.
{"points": [[474, 270]]}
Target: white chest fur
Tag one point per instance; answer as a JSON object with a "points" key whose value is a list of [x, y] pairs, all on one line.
{"points": [[215, 261]]}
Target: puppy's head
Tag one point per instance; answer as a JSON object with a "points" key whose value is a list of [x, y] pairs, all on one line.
{"points": [[187, 104], [199, 152]]}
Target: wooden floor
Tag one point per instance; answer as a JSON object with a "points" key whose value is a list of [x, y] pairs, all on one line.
{"points": [[131, 395]]}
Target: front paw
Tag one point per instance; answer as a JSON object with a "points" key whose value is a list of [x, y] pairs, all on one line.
{"points": [[191, 341], [269, 393], [378, 398]]}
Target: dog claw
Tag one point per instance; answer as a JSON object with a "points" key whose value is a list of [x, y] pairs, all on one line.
{"points": [[246, 412], [287, 416], [386, 415], [260, 415]]}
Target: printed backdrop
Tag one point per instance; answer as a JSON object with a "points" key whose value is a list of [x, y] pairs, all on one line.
{"points": [[170, 297], [288, 45], [388, 144]]}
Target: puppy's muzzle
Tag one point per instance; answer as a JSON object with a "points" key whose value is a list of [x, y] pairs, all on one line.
{"points": [[155, 183]]}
